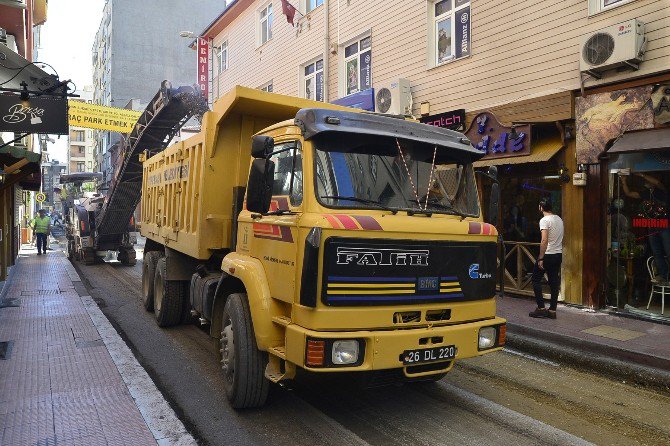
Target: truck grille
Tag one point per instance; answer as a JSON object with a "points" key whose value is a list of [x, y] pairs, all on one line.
{"points": [[403, 272]]}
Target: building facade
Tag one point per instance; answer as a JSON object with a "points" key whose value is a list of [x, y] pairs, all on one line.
{"points": [[508, 75], [20, 23], [51, 173], [81, 144], [137, 46]]}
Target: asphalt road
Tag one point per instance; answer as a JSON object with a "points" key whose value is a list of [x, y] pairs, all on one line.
{"points": [[503, 398]]}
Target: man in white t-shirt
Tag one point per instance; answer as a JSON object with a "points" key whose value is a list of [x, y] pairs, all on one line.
{"points": [[549, 261]]}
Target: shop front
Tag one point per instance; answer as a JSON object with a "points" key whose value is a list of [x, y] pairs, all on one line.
{"points": [[625, 136], [530, 162]]}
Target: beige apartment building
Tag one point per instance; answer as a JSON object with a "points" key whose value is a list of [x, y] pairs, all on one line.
{"points": [[549, 89], [81, 143]]}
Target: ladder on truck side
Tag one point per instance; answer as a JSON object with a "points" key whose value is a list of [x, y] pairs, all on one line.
{"points": [[163, 117]]}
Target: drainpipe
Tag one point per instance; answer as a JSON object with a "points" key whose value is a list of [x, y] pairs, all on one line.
{"points": [[326, 51]]}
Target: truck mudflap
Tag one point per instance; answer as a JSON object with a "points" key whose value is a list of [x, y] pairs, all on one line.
{"points": [[418, 352]]}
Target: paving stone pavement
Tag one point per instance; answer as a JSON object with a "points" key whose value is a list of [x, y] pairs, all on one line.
{"points": [[58, 382]]}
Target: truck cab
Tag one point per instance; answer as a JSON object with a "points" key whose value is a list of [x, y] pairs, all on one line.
{"points": [[368, 230]]}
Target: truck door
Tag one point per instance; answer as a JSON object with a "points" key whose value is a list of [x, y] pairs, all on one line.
{"points": [[275, 235]]}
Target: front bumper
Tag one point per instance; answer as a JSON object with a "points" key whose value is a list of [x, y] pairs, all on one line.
{"points": [[383, 349]]}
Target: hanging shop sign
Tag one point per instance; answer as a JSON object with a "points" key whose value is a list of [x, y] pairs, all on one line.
{"points": [[488, 135], [452, 120], [93, 116], [203, 66], [462, 29], [37, 115], [603, 117], [660, 100]]}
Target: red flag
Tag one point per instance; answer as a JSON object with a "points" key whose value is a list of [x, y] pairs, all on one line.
{"points": [[289, 11]]}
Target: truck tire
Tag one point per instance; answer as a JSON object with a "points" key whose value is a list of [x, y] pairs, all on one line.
{"points": [[127, 257], [148, 274], [243, 365], [168, 297], [70, 249]]}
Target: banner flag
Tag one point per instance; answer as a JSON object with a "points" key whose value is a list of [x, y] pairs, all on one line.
{"points": [[100, 117]]}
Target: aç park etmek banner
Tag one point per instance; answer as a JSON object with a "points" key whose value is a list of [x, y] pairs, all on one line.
{"points": [[92, 116]]}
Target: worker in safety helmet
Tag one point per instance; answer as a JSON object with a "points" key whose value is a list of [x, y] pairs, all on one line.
{"points": [[42, 227]]}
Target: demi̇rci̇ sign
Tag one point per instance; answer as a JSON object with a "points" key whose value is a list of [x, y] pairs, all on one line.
{"points": [[488, 135], [203, 66], [38, 115]]}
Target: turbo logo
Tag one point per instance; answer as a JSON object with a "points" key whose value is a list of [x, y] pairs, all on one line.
{"points": [[384, 257], [474, 273]]}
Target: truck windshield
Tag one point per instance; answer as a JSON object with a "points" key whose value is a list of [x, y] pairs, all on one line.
{"points": [[384, 180]]}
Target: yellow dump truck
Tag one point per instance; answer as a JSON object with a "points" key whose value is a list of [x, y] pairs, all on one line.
{"points": [[311, 236]]}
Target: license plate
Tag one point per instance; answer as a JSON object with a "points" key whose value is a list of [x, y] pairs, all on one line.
{"points": [[419, 356]]}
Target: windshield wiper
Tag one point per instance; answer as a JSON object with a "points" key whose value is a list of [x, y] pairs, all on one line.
{"points": [[438, 205], [360, 200]]}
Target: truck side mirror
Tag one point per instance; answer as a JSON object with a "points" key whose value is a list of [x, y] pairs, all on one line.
{"points": [[261, 146], [494, 203], [259, 189]]}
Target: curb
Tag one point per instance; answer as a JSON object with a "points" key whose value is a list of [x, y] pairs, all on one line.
{"points": [[616, 363]]}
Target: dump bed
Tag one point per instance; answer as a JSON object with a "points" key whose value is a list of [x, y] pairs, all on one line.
{"points": [[190, 189]]}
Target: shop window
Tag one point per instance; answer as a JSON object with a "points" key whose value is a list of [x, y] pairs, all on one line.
{"points": [[597, 6], [265, 24], [312, 80], [357, 63], [448, 31], [638, 230]]}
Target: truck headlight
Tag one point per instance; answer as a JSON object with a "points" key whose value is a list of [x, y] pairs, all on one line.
{"points": [[345, 352], [487, 337]]}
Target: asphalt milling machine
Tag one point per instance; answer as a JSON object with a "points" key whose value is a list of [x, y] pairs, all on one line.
{"points": [[98, 224]]}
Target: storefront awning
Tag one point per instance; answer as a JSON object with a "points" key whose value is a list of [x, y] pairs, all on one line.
{"points": [[642, 140], [542, 151], [20, 166]]}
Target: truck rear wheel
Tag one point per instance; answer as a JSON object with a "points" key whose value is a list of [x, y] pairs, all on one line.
{"points": [[243, 365], [168, 296], [127, 257], [148, 274]]}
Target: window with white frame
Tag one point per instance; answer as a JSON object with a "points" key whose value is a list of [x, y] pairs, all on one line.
{"points": [[449, 30], [358, 65], [312, 80], [222, 57], [266, 87], [310, 5], [596, 6], [265, 24]]}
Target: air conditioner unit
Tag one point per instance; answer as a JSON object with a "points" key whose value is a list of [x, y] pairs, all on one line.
{"points": [[394, 98], [616, 46]]}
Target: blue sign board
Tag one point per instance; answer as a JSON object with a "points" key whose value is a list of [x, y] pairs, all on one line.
{"points": [[364, 100]]}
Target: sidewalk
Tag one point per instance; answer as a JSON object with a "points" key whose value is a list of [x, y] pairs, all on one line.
{"points": [[61, 375], [620, 347]]}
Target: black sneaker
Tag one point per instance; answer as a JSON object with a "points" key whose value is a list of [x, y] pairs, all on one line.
{"points": [[539, 313], [551, 314], [39, 253]]}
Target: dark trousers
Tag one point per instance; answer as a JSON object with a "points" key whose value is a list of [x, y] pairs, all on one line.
{"points": [[42, 242], [552, 266]]}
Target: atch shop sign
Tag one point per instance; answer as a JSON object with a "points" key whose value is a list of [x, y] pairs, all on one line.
{"points": [[452, 120], [38, 115]]}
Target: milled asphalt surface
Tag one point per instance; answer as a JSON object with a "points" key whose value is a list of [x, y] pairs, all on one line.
{"points": [[503, 398]]}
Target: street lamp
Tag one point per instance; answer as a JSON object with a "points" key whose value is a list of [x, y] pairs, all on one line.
{"points": [[2, 177], [187, 34]]}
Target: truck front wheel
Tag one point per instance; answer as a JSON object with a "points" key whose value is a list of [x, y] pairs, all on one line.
{"points": [[148, 274], [168, 296], [242, 363]]}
